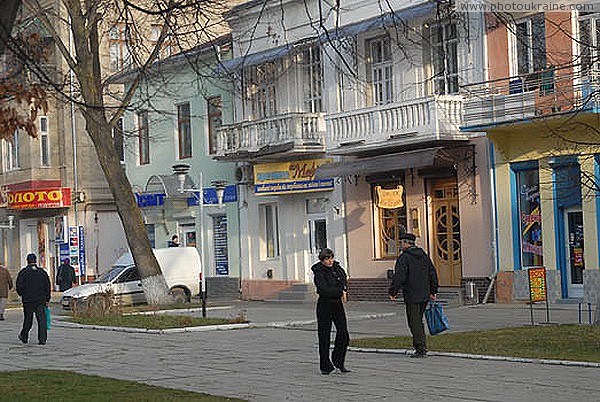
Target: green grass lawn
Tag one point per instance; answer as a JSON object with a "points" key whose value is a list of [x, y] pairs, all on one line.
{"points": [[562, 342], [152, 321], [48, 385]]}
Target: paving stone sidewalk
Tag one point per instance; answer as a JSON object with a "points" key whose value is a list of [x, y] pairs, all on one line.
{"points": [[276, 358]]}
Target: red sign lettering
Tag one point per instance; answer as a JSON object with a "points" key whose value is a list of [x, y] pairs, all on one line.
{"points": [[33, 199]]}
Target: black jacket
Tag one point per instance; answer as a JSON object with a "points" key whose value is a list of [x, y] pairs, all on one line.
{"points": [[330, 282], [416, 275], [65, 277], [33, 285]]}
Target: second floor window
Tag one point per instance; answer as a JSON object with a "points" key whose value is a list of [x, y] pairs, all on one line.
{"points": [[119, 47], [589, 40], [530, 40], [312, 73], [10, 153], [214, 122], [44, 142], [143, 138], [444, 58], [184, 130], [260, 87], [379, 59]]}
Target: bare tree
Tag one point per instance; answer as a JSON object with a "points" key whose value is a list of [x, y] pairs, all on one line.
{"points": [[80, 31]]}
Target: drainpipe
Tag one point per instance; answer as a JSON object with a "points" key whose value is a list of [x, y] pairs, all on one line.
{"points": [[345, 234], [74, 144], [494, 212]]}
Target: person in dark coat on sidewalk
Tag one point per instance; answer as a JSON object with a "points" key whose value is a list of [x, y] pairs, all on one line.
{"points": [[33, 285], [416, 276], [6, 284], [331, 282], [65, 277]]}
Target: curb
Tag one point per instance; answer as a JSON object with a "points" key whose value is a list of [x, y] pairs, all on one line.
{"points": [[481, 357], [203, 328], [223, 327]]}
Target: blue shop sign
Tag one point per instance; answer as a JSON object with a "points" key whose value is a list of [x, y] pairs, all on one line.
{"points": [[150, 200], [210, 196]]}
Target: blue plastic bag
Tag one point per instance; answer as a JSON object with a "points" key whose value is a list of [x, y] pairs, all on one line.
{"points": [[437, 321], [48, 318]]}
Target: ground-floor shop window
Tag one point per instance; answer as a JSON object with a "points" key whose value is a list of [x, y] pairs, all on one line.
{"points": [[390, 214], [530, 213], [269, 223]]}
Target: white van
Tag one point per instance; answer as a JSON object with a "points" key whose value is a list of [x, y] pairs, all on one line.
{"points": [[180, 266]]}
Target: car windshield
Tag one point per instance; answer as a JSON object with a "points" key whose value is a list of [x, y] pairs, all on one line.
{"points": [[110, 275]]}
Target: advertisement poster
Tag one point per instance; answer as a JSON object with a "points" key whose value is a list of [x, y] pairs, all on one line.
{"points": [[77, 249], [537, 284]]}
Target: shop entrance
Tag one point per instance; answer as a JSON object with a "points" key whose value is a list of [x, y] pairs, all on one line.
{"points": [[446, 250], [573, 218], [317, 231]]}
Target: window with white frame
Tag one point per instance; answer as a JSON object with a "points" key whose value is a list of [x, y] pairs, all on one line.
{"points": [[589, 40], [269, 231], [10, 153], [143, 138], [312, 78], [260, 84], [379, 69], [168, 44], [44, 142], [118, 139], [119, 44], [184, 130], [530, 44], [215, 114], [443, 45]]}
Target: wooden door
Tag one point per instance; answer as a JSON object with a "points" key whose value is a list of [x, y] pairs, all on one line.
{"points": [[446, 254]]}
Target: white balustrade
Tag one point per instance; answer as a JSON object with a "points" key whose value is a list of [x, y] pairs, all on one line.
{"points": [[300, 128], [435, 115]]}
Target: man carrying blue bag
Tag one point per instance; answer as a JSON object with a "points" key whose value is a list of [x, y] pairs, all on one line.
{"points": [[415, 274]]}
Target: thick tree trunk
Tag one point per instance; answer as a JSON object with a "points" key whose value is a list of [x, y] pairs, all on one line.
{"points": [[154, 283], [86, 67]]}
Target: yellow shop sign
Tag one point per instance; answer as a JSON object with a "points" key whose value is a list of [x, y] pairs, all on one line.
{"points": [[290, 177]]}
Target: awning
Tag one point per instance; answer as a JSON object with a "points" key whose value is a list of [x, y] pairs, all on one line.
{"points": [[168, 185], [255, 58], [378, 164], [381, 21]]}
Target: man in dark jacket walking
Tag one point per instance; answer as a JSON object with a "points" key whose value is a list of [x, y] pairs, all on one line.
{"points": [[331, 283], [33, 285], [65, 277], [416, 275]]}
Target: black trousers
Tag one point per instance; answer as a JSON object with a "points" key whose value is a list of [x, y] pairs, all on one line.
{"points": [[414, 316], [39, 309], [328, 312]]}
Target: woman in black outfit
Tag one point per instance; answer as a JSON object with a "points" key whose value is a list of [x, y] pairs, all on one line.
{"points": [[331, 283]]}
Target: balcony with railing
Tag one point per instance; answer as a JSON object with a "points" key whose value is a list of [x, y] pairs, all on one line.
{"points": [[428, 119], [548, 93], [290, 132]]}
